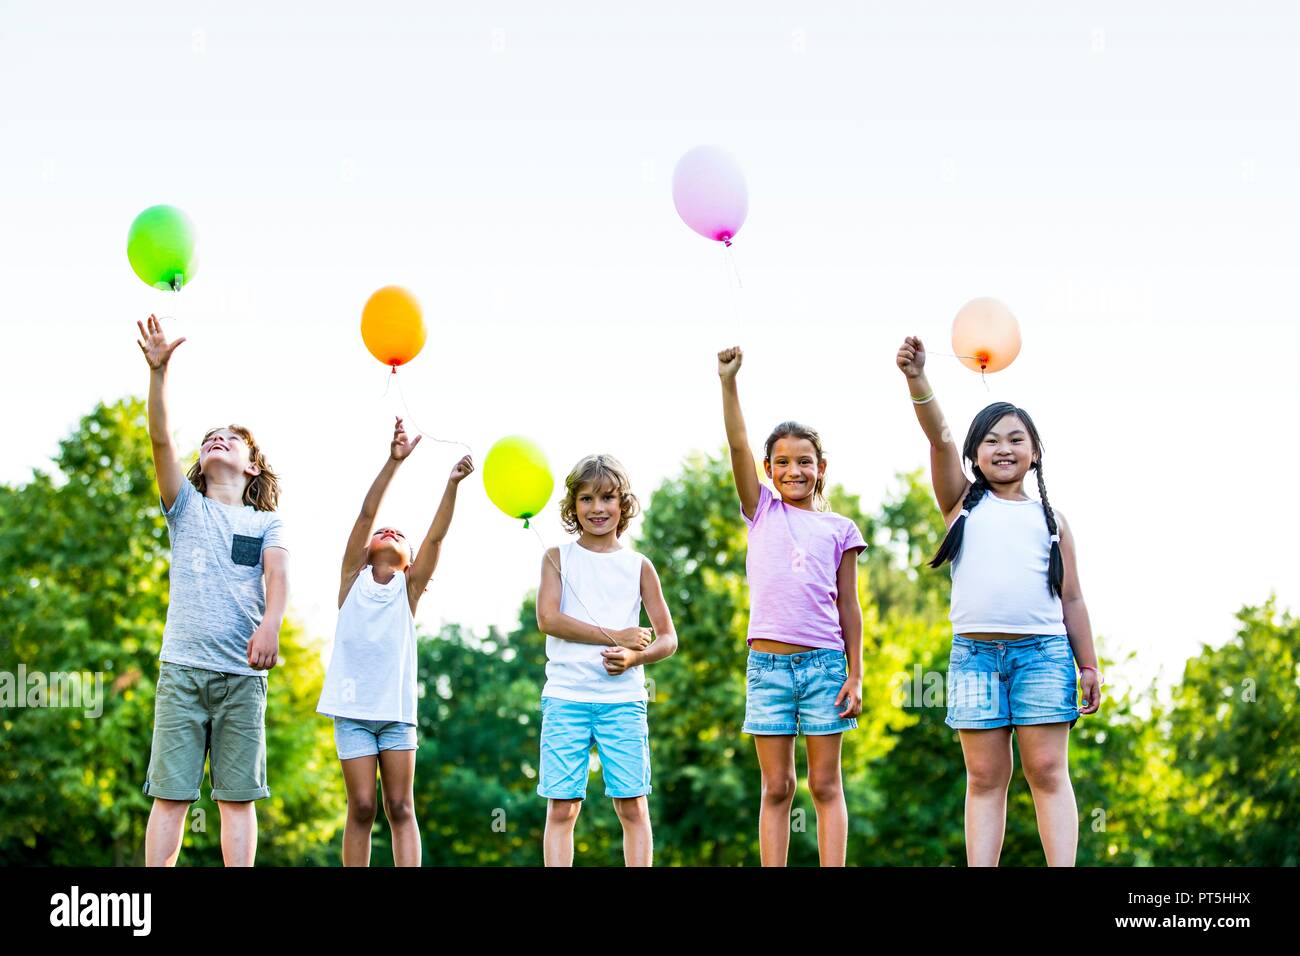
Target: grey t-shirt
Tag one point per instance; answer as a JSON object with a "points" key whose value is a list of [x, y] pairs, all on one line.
{"points": [[217, 598]]}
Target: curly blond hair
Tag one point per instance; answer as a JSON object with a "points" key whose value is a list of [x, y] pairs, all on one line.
{"points": [[599, 471], [262, 491]]}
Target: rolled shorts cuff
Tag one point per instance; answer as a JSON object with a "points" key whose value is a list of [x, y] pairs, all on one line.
{"points": [[241, 796], [631, 795], [770, 730], [836, 727], [1065, 717], [164, 793], [569, 795]]}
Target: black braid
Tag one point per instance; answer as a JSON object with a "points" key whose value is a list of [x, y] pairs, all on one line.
{"points": [[951, 546], [1055, 563]]}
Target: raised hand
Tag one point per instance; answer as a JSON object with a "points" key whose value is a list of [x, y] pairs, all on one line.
{"points": [[461, 469], [729, 362], [911, 357], [402, 446], [157, 350]]}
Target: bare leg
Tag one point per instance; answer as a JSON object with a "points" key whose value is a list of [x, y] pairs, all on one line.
{"points": [[988, 774], [397, 776], [238, 832], [638, 840], [359, 780], [776, 760], [827, 790], [162, 838], [1044, 753], [557, 840]]}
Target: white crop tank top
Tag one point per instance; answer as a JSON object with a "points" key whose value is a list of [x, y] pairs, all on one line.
{"points": [[601, 588], [999, 578]]}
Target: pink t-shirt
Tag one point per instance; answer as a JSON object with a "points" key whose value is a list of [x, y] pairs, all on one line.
{"points": [[792, 562]]}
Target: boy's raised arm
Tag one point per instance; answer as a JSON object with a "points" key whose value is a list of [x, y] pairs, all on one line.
{"points": [[158, 352]]}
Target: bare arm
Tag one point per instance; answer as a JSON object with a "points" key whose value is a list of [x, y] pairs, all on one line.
{"points": [[158, 352], [426, 559], [1077, 625], [264, 645], [846, 583], [354, 552], [552, 622], [946, 475], [743, 471]]}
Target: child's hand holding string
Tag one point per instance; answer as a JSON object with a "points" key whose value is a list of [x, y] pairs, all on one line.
{"points": [[462, 469], [633, 638], [402, 445], [911, 357], [619, 659], [729, 362]]}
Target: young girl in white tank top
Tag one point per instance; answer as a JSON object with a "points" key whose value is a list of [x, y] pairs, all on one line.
{"points": [[1018, 616], [370, 686]]}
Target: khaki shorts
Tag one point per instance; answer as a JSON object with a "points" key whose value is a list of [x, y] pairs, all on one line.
{"points": [[199, 712]]}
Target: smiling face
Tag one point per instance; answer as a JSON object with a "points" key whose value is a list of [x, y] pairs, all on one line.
{"points": [[389, 546], [598, 508], [794, 467], [1006, 451], [226, 449]]}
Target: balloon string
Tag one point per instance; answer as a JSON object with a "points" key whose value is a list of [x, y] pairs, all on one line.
{"points": [[546, 553], [394, 377], [733, 294], [973, 358]]}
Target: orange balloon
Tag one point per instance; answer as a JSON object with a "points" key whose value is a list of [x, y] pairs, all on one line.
{"points": [[392, 326], [985, 335]]}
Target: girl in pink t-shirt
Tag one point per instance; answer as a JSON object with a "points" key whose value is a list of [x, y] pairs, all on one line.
{"points": [[804, 674]]}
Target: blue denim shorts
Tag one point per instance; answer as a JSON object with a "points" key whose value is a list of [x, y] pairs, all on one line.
{"points": [[365, 738], [795, 693], [1030, 680], [621, 734]]}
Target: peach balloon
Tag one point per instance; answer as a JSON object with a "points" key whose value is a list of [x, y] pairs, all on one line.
{"points": [[392, 326], [985, 335]]}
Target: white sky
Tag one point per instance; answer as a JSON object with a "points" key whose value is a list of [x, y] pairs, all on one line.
{"points": [[1126, 182]]}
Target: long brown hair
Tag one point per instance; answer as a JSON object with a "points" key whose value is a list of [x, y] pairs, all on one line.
{"points": [[262, 491]]}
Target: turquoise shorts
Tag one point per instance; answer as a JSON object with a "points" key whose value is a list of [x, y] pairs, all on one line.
{"points": [[1030, 680], [621, 734]]}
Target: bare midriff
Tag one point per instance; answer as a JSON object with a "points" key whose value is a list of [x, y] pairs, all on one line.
{"points": [[995, 637], [778, 647]]}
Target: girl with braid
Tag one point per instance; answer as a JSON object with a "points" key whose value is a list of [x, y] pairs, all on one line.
{"points": [[1018, 617]]}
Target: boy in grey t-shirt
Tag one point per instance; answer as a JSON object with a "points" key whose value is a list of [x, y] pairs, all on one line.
{"points": [[223, 626]]}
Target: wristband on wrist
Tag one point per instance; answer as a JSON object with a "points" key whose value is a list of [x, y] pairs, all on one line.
{"points": [[923, 400]]}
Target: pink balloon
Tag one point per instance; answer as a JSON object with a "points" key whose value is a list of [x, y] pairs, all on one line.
{"points": [[709, 193]]}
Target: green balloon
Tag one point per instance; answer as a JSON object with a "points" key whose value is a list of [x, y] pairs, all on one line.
{"points": [[160, 246], [517, 477]]}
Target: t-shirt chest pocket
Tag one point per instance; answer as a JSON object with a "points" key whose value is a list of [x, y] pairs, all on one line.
{"points": [[246, 550]]}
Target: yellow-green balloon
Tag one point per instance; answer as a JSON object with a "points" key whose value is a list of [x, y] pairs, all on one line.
{"points": [[517, 477], [160, 247]]}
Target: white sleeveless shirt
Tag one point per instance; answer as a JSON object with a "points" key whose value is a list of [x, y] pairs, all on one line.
{"points": [[372, 672], [602, 588], [999, 578]]}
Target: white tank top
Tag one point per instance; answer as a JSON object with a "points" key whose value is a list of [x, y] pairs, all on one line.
{"points": [[999, 578], [372, 671], [602, 588]]}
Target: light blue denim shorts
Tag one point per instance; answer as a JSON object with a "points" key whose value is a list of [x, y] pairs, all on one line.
{"points": [[1030, 680], [621, 734], [795, 693], [365, 738]]}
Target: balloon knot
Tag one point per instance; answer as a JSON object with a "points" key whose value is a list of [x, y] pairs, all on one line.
{"points": [[726, 241], [525, 523]]}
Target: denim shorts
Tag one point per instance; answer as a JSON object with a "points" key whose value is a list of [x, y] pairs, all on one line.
{"points": [[621, 734], [795, 693], [365, 738], [1029, 680]]}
